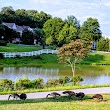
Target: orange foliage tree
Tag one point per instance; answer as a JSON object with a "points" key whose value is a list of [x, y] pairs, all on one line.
{"points": [[73, 52]]}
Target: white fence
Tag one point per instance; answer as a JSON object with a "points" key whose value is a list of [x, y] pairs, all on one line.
{"points": [[99, 51], [22, 54]]}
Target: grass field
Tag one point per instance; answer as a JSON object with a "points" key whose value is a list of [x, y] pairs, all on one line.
{"points": [[61, 103], [18, 48], [51, 59], [97, 59], [30, 61]]}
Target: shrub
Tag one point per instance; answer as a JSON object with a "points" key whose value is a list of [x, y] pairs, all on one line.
{"points": [[64, 80], [3, 43], [23, 83], [5, 84], [52, 82], [38, 83], [77, 79], [1, 56]]}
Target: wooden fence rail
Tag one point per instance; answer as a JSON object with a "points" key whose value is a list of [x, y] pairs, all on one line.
{"points": [[22, 54]]}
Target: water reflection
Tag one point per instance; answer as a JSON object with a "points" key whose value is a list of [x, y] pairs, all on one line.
{"points": [[91, 75], [28, 72]]}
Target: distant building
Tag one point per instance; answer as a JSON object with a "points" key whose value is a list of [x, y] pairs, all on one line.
{"points": [[93, 45], [19, 29]]}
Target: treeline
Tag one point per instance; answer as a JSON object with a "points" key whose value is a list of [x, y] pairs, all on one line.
{"points": [[22, 17], [50, 31]]}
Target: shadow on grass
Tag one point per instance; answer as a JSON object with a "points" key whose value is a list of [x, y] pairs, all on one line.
{"points": [[51, 99]]}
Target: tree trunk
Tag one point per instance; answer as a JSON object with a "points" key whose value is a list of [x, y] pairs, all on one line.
{"points": [[73, 64], [73, 69]]}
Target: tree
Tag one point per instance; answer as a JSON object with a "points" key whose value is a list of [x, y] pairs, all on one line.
{"points": [[72, 20], [2, 30], [67, 34], [8, 14], [27, 37], [9, 34], [73, 52], [103, 44], [39, 36], [0, 18], [22, 18], [90, 29], [41, 18], [7, 10], [52, 28]]}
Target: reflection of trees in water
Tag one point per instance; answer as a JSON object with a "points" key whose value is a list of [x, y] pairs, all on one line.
{"points": [[87, 71], [14, 73], [97, 75], [30, 70], [93, 71]]}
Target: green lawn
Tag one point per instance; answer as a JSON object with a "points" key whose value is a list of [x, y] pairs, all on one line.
{"points": [[18, 48], [52, 59], [97, 59], [45, 59], [61, 103]]}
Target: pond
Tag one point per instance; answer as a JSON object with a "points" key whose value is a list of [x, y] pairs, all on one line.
{"points": [[90, 74]]}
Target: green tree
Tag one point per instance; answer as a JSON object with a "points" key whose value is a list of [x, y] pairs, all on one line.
{"points": [[22, 18], [51, 28], [90, 29], [2, 30], [73, 52], [103, 44], [9, 34], [39, 36], [7, 10], [31, 12], [72, 20], [8, 14], [67, 34], [27, 37], [0, 18], [41, 18]]}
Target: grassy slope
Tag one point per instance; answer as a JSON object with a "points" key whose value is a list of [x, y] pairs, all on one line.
{"points": [[30, 61], [18, 48], [51, 59], [93, 58], [62, 103], [97, 59]]}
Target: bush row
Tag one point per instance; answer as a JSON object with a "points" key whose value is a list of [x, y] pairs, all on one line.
{"points": [[25, 83]]}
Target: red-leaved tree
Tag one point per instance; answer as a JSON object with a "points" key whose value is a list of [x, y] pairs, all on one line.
{"points": [[73, 52]]}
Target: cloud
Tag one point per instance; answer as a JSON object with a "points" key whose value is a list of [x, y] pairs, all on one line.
{"points": [[46, 1], [106, 3], [105, 23]]}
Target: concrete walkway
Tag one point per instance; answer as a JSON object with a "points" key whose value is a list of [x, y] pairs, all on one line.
{"points": [[44, 94]]}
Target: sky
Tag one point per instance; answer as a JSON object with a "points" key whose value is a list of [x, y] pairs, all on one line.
{"points": [[81, 9]]}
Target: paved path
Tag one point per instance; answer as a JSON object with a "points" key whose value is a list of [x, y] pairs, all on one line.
{"points": [[44, 94]]}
